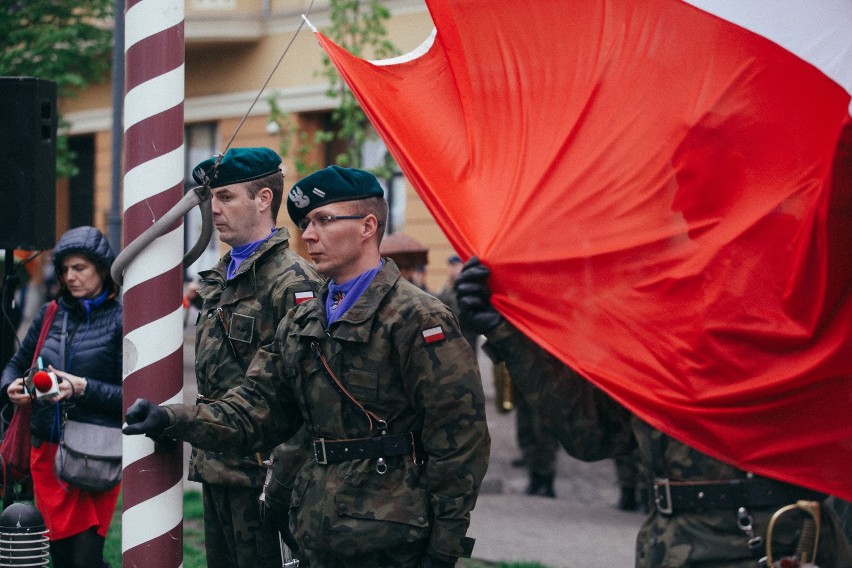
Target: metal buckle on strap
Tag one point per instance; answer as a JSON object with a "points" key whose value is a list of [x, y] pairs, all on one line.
{"points": [[663, 500], [324, 459]]}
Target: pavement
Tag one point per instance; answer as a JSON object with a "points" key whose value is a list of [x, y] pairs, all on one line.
{"points": [[581, 527]]}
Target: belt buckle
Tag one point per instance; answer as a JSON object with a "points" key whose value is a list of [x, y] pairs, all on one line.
{"points": [[663, 501], [324, 459]]}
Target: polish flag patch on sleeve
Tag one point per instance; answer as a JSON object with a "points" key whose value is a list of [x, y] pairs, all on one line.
{"points": [[304, 296], [433, 334]]}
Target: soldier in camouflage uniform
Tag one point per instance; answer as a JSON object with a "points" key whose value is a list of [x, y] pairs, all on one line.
{"points": [[243, 298], [696, 518], [386, 384]]}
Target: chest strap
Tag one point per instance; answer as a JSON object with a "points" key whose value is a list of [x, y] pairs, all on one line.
{"points": [[372, 418], [682, 496], [336, 451]]}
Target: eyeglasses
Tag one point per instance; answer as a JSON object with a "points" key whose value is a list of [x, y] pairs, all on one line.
{"points": [[323, 221]]}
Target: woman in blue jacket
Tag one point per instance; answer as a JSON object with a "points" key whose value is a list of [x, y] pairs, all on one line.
{"points": [[83, 349]]}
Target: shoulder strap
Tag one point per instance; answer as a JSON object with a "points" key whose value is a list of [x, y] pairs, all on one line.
{"points": [[371, 416], [49, 314]]}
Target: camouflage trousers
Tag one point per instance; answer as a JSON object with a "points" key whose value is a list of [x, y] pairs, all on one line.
{"points": [[234, 534], [538, 446], [404, 556]]}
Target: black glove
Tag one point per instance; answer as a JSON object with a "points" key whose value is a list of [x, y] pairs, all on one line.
{"points": [[432, 562], [145, 417], [475, 311]]}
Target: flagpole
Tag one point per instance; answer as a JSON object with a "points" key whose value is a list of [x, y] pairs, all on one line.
{"points": [[152, 516]]}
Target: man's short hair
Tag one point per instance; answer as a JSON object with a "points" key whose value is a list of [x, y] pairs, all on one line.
{"points": [[377, 206], [275, 182]]}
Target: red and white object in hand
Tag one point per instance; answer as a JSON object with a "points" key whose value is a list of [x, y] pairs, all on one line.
{"points": [[45, 384]]}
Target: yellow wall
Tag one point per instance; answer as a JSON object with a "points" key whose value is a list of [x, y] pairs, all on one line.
{"points": [[222, 66]]}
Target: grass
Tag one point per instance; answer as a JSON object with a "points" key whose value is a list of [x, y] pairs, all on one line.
{"points": [[193, 540], [193, 534], [473, 563]]}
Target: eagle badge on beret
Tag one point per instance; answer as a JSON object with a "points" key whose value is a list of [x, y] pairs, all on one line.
{"points": [[330, 185], [298, 198]]}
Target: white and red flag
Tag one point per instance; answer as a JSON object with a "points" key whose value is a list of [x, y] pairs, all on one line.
{"points": [[663, 192]]}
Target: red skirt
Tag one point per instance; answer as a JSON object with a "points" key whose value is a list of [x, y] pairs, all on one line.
{"points": [[67, 510]]}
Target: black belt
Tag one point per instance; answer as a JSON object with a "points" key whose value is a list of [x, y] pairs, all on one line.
{"points": [[679, 496], [336, 451]]}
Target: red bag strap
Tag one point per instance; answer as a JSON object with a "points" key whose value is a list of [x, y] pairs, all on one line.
{"points": [[49, 314]]}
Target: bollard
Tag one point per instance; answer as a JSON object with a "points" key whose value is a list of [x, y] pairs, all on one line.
{"points": [[23, 537]]}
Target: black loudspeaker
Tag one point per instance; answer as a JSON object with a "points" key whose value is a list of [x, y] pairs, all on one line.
{"points": [[27, 163]]}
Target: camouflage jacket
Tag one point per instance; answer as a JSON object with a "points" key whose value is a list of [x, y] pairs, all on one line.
{"points": [[267, 284], [590, 425], [428, 384]]}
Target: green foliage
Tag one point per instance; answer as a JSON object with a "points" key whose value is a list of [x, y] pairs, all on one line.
{"points": [[473, 563], [69, 43], [292, 138], [193, 531], [359, 27], [112, 545]]}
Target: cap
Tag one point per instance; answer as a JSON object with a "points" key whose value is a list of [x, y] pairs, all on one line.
{"points": [[237, 166], [330, 185]]}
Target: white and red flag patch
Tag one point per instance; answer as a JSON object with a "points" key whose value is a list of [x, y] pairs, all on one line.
{"points": [[433, 334], [304, 296]]}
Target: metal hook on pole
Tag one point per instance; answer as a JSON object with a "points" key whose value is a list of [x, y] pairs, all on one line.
{"points": [[198, 196]]}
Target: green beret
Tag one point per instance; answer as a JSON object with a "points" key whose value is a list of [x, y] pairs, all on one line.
{"points": [[328, 186], [237, 166]]}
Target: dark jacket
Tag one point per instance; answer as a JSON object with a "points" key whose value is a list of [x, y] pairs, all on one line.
{"points": [[92, 338]]}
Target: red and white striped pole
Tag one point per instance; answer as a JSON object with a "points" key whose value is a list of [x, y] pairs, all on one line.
{"points": [[152, 517]]}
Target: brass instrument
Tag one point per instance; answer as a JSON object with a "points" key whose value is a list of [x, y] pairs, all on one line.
{"points": [[503, 388], [810, 533]]}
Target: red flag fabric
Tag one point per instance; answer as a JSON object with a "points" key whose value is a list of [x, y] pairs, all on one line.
{"points": [[663, 191]]}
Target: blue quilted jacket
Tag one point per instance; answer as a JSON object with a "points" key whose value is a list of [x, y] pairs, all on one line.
{"points": [[92, 346]]}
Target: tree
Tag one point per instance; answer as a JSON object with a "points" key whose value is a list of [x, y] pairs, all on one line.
{"points": [[69, 43], [357, 26]]}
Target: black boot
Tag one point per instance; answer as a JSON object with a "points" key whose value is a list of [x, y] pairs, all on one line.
{"points": [[627, 501], [541, 485]]}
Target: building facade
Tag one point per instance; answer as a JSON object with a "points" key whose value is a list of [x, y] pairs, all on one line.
{"points": [[231, 47]]}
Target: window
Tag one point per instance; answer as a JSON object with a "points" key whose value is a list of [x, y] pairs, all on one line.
{"points": [[373, 154]]}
